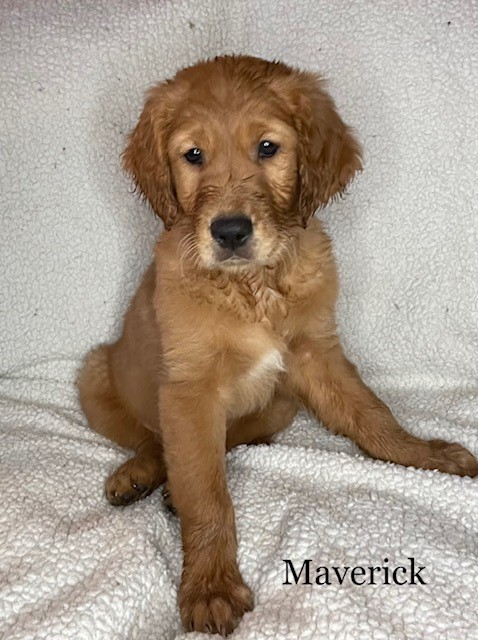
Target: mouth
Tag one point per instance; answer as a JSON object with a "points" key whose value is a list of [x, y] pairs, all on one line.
{"points": [[234, 261], [225, 258]]}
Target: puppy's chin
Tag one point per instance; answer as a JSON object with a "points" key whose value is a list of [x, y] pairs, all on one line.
{"points": [[227, 259], [230, 264], [235, 262], [247, 252], [243, 259]]}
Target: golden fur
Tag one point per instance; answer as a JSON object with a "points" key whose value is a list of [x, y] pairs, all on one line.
{"points": [[221, 346]]}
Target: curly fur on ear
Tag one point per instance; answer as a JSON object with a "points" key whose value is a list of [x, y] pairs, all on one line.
{"points": [[329, 154], [145, 157]]}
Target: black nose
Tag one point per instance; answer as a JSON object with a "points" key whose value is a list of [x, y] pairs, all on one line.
{"points": [[231, 232]]}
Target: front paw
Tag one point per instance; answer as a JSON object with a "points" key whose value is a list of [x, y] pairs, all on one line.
{"points": [[450, 457], [215, 607]]}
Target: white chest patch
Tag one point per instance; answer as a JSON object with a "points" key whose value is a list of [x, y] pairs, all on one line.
{"points": [[253, 389], [270, 364]]}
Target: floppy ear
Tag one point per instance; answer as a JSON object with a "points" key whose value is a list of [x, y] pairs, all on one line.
{"points": [[145, 156], [329, 154]]}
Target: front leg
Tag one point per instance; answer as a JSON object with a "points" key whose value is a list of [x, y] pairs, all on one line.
{"points": [[331, 388], [212, 595]]}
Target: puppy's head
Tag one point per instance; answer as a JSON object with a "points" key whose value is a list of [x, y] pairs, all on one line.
{"points": [[238, 152]]}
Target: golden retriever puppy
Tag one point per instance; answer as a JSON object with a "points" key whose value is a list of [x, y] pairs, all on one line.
{"points": [[233, 329]]}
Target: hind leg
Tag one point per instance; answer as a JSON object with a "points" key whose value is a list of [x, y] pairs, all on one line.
{"points": [[142, 474], [138, 477]]}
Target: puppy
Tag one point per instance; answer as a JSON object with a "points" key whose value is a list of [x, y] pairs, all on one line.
{"points": [[233, 329]]}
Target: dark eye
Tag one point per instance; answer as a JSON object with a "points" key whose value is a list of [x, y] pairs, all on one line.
{"points": [[267, 149], [194, 156]]}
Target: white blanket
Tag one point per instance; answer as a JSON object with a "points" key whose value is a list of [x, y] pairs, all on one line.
{"points": [[74, 243]]}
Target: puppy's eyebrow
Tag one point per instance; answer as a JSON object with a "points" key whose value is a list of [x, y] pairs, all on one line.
{"points": [[272, 128], [181, 141]]}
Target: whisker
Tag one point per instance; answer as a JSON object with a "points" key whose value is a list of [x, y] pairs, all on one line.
{"points": [[186, 247]]}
